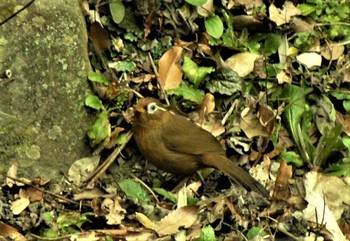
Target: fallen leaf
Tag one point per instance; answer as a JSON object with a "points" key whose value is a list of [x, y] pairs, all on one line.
{"points": [[281, 190], [310, 59], [242, 63], [332, 51], [170, 73], [31, 193], [19, 205], [8, 232], [282, 16], [181, 217], [250, 124], [327, 197], [115, 211], [81, 169]]}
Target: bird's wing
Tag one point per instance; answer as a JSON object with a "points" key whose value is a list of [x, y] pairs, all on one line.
{"points": [[183, 136]]}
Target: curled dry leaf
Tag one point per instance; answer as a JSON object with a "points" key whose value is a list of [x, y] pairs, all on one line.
{"points": [[115, 211], [281, 190], [170, 73], [250, 124]]}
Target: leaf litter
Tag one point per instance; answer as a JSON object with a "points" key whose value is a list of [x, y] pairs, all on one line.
{"points": [[278, 77]]}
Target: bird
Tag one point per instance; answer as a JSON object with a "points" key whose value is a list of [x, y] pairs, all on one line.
{"points": [[175, 144]]}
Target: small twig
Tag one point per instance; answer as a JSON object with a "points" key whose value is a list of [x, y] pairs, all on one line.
{"points": [[104, 166], [158, 79], [228, 113], [16, 13], [42, 190], [146, 186]]}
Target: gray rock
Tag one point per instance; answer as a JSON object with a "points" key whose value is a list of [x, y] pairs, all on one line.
{"points": [[43, 121]]}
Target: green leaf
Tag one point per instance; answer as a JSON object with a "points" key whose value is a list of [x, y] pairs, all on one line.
{"points": [[292, 117], [94, 102], [339, 169], [188, 93], [98, 77], [346, 105], [291, 157], [166, 194], [329, 141], [127, 66], [48, 217], [135, 191], [196, 2], [121, 139], [194, 73], [255, 231], [214, 26], [117, 10], [100, 130], [226, 82], [306, 9], [207, 234], [272, 43]]}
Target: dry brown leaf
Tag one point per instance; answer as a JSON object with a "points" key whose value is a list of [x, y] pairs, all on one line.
{"points": [[250, 124], [10, 233], [82, 168], [143, 78], [300, 25], [281, 190], [89, 194], [31, 193], [182, 217], [242, 63], [327, 197], [283, 16], [267, 117], [207, 106], [332, 52], [115, 211], [114, 135], [214, 126], [170, 73]]}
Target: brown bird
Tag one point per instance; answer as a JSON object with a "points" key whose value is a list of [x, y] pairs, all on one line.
{"points": [[175, 144]]}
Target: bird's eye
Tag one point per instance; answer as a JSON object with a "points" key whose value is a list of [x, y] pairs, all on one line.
{"points": [[152, 108]]}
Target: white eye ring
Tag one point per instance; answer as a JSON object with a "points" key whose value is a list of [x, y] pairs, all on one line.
{"points": [[153, 107]]}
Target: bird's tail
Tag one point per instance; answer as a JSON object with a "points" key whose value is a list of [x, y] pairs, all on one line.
{"points": [[239, 175]]}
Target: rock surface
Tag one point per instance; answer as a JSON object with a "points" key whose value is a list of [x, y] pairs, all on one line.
{"points": [[43, 121]]}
